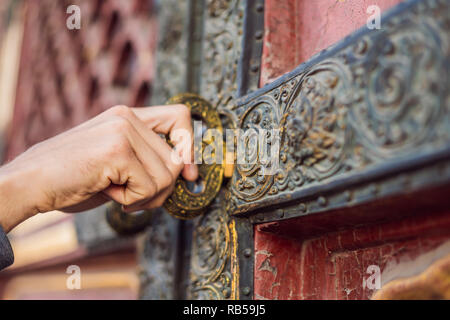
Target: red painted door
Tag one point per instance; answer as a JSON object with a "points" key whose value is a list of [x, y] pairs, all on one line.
{"points": [[377, 250], [298, 29]]}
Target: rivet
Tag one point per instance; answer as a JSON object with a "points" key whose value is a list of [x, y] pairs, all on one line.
{"points": [[226, 293], [259, 7], [254, 68], [258, 35], [246, 291], [374, 190], [302, 207], [406, 182], [247, 253], [322, 201], [280, 213], [348, 196]]}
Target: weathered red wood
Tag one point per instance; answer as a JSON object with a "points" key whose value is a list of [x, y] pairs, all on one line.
{"points": [[326, 256], [276, 267], [297, 29], [333, 266]]}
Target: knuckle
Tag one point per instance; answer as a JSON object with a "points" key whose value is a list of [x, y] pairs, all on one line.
{"points": [[121, 111], [119, 146], [151, 190], [182, 110], [121, 125], [167, 179]]}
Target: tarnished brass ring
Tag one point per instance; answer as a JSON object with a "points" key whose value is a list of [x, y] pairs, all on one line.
{"points": [[126, 223], [183, 203]]}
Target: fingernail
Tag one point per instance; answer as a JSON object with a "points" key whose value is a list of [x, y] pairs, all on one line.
{"points": [[194, 170]]}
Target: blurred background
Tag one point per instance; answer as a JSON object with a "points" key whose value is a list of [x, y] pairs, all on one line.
{"points": [[51, 79]]}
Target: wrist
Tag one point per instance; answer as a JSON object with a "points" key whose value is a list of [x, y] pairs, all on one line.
{"points": [[17, 201]]}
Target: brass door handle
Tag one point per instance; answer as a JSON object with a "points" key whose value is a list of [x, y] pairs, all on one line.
{"points": [[183, 203]]}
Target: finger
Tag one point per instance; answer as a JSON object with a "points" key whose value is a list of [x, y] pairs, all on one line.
{"points": [[170, 156], [132, 184], [152, 203], [165, 119], [142, 160], [153, 157], [190, 172], [174, 120]]}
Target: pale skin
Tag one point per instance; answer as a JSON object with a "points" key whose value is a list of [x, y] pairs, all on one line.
{"points": [[118, 155]]}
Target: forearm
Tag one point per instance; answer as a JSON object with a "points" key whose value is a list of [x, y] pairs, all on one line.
{"points": [[17, 201]]}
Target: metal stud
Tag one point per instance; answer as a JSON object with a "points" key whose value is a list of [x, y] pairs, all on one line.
{"points": [[246, 291], [322, 201]]}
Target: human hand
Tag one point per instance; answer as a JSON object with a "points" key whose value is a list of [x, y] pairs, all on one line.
{"points": [[117, 155]]}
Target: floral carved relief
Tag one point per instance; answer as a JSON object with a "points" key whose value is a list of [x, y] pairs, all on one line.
{"points": [[379, 98]]}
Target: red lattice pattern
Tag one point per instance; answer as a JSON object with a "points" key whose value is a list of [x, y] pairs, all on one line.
{"points": [[68, 76]]}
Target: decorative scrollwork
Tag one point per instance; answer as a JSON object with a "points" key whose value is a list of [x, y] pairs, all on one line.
{"points": [[210, 260], [222, 50], [379, 98], [315, 134], [398, 87]]}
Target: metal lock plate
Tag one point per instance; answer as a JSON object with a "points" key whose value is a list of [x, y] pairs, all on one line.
{"points": [[183, 203]]}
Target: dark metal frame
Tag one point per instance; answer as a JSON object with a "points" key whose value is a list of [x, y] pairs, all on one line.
{"points": [[249, 69], [248, 74]]}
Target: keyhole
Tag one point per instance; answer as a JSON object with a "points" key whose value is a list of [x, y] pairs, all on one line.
{"points": [[197, 186]]}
